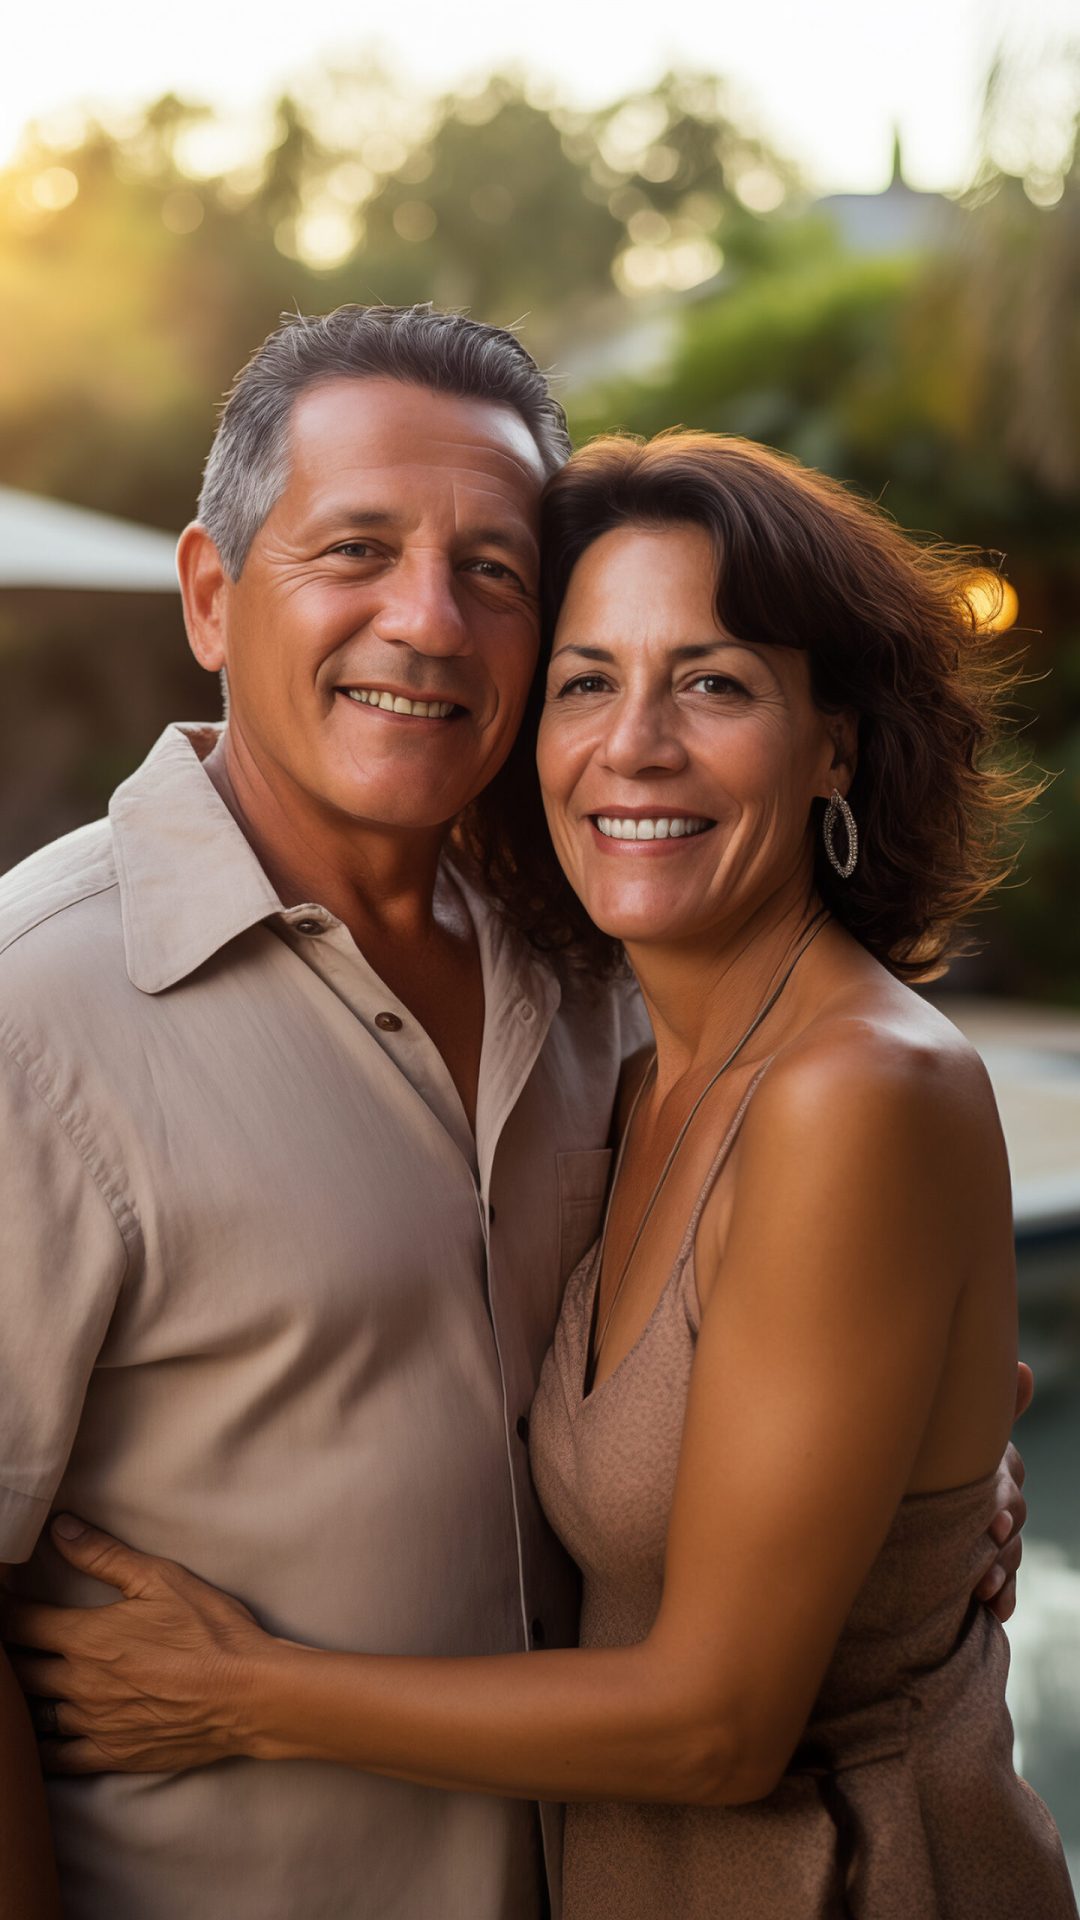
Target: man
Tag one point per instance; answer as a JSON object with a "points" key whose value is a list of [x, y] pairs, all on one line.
{"points": [[302, 1138]]}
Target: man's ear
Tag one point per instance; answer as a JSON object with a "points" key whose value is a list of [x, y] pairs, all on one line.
{"points": [[204, 585]]}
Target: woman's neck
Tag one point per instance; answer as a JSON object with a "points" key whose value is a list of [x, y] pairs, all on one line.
{"points": [[702, 995]]}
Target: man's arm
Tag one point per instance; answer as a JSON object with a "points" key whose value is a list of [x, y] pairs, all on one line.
{"points": [[62, 1263], [30, 1890]]}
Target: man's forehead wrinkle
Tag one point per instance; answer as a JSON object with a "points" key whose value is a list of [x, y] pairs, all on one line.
{"points": [[489, 449]]}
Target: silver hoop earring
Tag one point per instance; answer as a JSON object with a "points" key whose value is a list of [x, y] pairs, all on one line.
{"points": [[838, 809]]}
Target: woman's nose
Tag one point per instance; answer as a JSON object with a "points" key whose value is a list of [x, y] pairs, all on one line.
{"points": [[642, 737]]}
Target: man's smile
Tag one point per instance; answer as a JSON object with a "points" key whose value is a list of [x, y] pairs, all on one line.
{"points": [[385, 700]]}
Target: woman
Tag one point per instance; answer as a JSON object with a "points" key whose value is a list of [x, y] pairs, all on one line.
{"points": [[781, 1383]]}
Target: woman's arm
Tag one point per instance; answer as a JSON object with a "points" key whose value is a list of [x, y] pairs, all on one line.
{"points": [[818, 1362], [28, 1884]]}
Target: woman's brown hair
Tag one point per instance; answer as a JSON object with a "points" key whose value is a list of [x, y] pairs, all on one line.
{"points": [[890, 632]]}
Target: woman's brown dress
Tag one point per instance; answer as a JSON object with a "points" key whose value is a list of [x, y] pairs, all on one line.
{"points": [[902, 1802]]}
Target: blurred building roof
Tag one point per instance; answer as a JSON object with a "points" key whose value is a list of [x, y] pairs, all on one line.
{"points": [[900, 220], [45, 543]]}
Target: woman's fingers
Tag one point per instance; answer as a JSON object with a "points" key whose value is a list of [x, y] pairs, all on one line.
{"points": [[52, 1719], [36, 1623], [74, 1756], [104, 1558], [36, 1675], [1025, 1393]]}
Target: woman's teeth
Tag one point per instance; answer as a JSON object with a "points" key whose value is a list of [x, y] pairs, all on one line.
{"points": [[676, 828], [396, 703]]}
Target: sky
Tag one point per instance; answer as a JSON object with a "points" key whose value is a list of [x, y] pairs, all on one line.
{"points": [[826, 80]]}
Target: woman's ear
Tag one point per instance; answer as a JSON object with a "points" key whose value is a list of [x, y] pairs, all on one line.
{"points": [[843, 732]]}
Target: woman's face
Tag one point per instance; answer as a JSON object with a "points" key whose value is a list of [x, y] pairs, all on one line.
{"points": [[678, 763]]}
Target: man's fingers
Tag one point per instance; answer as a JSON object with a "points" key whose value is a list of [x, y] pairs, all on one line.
{"points": [[1025, 1389], [1004, 1606], [1014, 1463], [99, 1555], [1001, 1526], [991, 1583]]}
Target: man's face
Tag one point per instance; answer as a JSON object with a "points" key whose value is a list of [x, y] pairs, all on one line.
{"points": [[382, 636]]}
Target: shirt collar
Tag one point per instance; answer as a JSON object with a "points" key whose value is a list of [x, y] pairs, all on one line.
{"points": [[190, 882], [189, 879]]}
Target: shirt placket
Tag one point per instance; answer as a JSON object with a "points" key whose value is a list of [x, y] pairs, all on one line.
{"points": [[520, 1002], [325, 944]]}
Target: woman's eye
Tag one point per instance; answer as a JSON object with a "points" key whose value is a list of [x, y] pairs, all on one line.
{"points": [[584, 683], [718, 683]]}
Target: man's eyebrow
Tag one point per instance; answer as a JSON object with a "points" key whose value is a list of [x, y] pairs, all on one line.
{"points": [[350, 516], [519, 543]]}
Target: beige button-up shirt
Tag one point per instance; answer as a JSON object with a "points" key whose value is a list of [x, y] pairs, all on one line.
{"points": [[269, 1308]]}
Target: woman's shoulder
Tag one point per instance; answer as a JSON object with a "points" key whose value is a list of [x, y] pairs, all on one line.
{"points": [[873, 1055]]}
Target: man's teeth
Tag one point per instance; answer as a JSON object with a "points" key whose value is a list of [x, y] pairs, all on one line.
{"points": [[675, 828], [396, 703]]}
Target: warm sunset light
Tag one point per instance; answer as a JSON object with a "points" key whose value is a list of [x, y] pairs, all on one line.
{"points": [[993, 601]]}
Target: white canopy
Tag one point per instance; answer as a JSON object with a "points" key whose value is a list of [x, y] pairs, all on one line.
{"points": [[44, 543]]}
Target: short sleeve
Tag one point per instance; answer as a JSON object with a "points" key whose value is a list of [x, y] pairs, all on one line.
{"points": [[63, 1258]]}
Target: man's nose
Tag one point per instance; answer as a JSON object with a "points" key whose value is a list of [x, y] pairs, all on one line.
{"points": [[643, 736], [419, 607]]}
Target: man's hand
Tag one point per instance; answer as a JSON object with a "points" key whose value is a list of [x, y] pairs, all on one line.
{"points": [[149, 1684], [998, 1585]]}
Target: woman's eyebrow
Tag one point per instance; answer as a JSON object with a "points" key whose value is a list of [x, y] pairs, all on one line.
{"points": [[695, 650]]}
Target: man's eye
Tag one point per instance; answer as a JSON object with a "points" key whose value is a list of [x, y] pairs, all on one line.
{"points": [[354, 549], [494, 570]]}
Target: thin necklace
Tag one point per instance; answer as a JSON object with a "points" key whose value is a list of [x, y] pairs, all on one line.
{"points": [[762, 1014]]}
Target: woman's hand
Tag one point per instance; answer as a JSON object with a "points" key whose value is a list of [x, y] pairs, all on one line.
{"points": [[153, 1683]]}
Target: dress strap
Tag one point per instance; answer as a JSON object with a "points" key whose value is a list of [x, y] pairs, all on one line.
{"points": [[718, 1162]]}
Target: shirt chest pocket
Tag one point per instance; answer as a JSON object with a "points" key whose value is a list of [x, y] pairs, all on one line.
{"points": [[583, 1179]]}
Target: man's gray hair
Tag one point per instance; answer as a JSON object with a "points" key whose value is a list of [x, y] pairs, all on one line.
{"points": [[248, 466]]}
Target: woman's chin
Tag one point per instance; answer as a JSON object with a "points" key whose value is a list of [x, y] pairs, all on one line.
{"points": [[642, 922]]}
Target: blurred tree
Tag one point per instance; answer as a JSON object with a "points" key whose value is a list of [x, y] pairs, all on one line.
{"points": [[654, 235]]}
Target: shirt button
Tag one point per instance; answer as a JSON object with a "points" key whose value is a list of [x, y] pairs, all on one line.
{"points": [[527, 1011], [310, 926], [537, 1632], [523, 1426], [388, 1022]]}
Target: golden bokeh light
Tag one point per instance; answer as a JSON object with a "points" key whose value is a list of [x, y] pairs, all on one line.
{"points": [[54, 189], [684, 263], [415, 221], [993, 601]]}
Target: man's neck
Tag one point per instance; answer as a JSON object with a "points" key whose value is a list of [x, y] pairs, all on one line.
{"points": [[381, 885], [380, 882]]}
